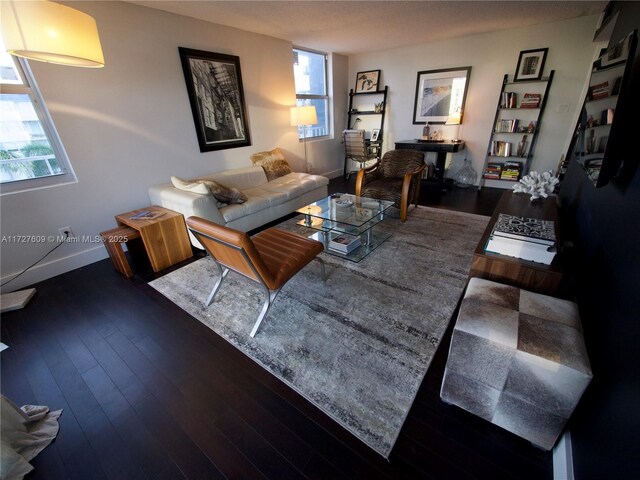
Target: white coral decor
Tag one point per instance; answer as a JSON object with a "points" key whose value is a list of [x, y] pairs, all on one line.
{"points": [[538, 185]]}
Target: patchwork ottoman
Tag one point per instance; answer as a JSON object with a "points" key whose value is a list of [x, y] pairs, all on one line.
{"points": [[517, 359]]}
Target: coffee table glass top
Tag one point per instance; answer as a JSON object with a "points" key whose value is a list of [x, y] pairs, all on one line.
{"points": [[344, 212]]}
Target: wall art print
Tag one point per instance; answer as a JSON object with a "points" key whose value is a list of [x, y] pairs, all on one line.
{"points": [[214, 85]]}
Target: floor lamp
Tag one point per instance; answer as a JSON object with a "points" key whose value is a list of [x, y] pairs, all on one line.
{"points": [[53, 33], [304, 117]]}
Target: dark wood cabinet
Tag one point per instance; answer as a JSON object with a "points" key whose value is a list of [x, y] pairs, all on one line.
{"points": [[532, 276]]}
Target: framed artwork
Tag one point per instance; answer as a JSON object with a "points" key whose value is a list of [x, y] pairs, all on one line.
{"points": [[214, 85], [367, 81], [375, 134], [440, 93], [530, 64]]}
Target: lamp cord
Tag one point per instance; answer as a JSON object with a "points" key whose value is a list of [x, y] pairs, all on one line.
{"points": [[33, 264]]}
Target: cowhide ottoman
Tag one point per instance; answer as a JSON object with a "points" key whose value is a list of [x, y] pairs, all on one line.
{"points": [[517, 359]]}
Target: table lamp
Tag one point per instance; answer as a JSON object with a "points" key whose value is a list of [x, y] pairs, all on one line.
{"points": [[455, 118], [304, 116]]}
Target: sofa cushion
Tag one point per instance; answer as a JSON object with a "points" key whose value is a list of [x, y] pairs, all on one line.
{"points": [[296, 184], [252, 205], [273, 162]]}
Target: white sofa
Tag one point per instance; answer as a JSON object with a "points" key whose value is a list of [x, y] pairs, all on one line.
{"points": [[267, 200]]}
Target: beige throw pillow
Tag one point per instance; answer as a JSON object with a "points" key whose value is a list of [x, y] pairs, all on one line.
{"points": [[205, 187], [273, 163]]}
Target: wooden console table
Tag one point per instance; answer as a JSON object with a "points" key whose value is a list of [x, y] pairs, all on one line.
{"points": [[532, 276], [441, 149], [165, 238]]}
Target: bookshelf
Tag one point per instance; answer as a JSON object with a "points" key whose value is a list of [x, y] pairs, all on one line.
{"points": [[514, 130], [362, 104]]}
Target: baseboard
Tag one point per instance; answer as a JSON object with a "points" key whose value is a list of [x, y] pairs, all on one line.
{"points": [[50, 269], [563, 459], [332, 173]]}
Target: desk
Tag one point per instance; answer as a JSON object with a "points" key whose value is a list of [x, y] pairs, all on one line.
{"points": [[441, 148], [532, 276]]}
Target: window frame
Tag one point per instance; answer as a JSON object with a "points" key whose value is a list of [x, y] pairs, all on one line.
{"points": [[309, 96], [29, 87]]}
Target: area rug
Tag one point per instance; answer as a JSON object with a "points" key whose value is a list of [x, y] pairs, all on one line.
{"points": [[359, 344]]}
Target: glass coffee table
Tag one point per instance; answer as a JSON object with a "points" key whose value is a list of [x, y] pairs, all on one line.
{"points": [[345, 213]]}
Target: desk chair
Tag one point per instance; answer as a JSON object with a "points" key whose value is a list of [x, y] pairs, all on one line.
{"points": [[357, 150], [269, 258]]}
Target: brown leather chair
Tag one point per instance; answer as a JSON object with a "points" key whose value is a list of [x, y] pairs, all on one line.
{"points": [[396, 177], [269, 258]]}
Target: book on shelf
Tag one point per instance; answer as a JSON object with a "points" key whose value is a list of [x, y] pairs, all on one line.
{"points": [[493, 170], [526, 229], [599, 91], [511, 171], [344, 242], [534, 252], [500, 149], [508, 99], [506, 126], [531, 100]]}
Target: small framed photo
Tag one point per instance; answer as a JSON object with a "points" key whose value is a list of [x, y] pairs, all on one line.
{"points": [[375, 134], [530, 64], [367, 81]]}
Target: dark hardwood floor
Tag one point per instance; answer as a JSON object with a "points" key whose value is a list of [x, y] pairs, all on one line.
{"points": [[149, 392]]}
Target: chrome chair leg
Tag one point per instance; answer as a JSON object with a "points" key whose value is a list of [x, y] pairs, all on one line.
{"points": [[271, 296], [216, 287]]}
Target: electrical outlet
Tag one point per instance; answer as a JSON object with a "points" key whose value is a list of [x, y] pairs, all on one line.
{"points": [[66, 232]]}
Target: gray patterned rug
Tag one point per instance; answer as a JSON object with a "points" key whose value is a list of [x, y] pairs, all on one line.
{"points": [[359, 344]]}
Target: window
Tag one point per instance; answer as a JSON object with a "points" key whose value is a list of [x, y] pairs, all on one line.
{"points": [[310, 72], [31, 154]]}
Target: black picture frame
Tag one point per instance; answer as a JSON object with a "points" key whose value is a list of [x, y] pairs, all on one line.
{"points": [[367, 81], [214, 85], [435, 90], [530, 65]]}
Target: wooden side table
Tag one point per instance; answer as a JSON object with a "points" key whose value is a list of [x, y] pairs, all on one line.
{"points": [[532, 276], [165, 238]]}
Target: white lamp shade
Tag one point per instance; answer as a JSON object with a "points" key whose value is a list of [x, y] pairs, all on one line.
{"points": [[49, 32], [454, 118], [304, 116]]}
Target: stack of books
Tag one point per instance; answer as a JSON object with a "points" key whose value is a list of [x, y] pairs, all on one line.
{"points": [[146, 215], [343, 242], [531, 100], [522, 237], [493, 171], [601, 90], [511, 171]]}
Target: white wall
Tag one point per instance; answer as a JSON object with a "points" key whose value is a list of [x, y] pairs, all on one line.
{"points": [[490, 55], [129, 125]]}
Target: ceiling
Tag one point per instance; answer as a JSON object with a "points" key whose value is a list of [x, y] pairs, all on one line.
{"points": [[351, 27]]}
